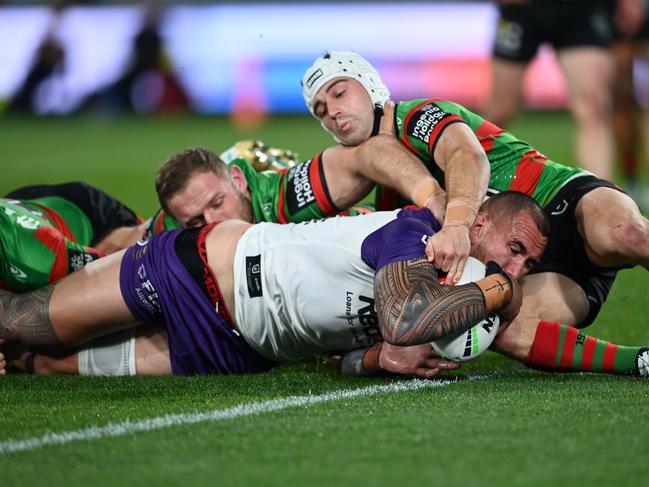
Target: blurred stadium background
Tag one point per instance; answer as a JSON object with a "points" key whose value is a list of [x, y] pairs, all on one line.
{"points": [[105, 91], [230, 57]]}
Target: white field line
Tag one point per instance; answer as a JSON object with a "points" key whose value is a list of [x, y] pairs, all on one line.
{"points": [[129, 427]]}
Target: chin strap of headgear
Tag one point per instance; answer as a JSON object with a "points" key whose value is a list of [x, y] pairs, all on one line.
{"points": [[378, 114]]}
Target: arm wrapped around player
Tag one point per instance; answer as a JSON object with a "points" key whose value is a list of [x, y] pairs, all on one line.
{"points": [[413, 308]]}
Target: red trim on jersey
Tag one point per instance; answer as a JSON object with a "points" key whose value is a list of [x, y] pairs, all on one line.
{"points": [[434, 135], [160, 224], [361, 209], [281, 216], [211, 283], [406, 121], [609, 357], [92, 250], [486, 133], [388, 199], [588, 353], [528, 172], [58, 222], [569, 341], [54, 240], [318, 188]]}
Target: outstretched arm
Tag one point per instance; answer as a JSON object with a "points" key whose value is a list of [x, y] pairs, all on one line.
{"points": [[413, 308], [351, 173]]}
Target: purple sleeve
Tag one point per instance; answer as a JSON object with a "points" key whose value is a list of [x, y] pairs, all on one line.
{"points": [[401, 239]]}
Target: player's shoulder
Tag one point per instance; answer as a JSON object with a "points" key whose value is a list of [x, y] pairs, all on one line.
{"points": [[427, 104]]}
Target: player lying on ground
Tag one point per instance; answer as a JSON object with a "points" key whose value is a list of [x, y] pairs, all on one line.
{"points": [[596, 229], [49, 231], [197, 187], [239, 298]]}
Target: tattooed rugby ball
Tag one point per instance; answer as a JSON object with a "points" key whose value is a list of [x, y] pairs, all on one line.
{"points": [[473, 342]]}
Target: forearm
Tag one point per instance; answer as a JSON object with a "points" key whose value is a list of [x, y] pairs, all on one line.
{"points": [[466, 173], [467, 178], [386, 161], [413, 308]]}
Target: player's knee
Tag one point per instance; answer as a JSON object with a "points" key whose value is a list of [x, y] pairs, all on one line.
{"points": [[630, 237], [591, 105], [513, 343], [113, 355]]}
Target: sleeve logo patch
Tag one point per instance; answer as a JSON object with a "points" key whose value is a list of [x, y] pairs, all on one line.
{"points": [[253, 276], [78, 260], [424, 121], [299, 191]]}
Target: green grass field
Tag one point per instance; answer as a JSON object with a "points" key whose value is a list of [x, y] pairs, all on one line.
{"points": [[509, 426]]}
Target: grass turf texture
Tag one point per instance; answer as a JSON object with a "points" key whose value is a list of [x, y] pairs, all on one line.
{"points": [[516, 427]]}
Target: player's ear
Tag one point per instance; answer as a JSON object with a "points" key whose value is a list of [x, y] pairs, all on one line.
{"points": [[238, 178], [479, 227]]}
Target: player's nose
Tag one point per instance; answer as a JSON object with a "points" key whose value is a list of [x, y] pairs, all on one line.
{"points": [[211, 216], [515, 268], [333, 109]]}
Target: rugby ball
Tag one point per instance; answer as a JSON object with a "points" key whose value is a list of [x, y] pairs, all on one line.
{"points": [[474, 341]]}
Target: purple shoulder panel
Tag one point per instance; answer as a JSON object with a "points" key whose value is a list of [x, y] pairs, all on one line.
{"points": [[401, 239]]}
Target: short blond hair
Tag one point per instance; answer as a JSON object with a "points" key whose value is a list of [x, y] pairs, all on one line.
{"points": [[175, 172]]}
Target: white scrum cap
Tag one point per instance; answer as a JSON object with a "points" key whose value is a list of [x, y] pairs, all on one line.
{"points": [[343, 64]]}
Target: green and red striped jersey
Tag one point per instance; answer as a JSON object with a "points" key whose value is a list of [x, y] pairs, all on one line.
{"points": [[41, 241], [515, 164], [294, 194]]}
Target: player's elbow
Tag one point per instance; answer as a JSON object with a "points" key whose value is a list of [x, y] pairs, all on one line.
{"points": [[394, 331]]}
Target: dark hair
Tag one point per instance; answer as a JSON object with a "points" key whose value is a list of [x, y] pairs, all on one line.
{"points": [[174, 173], [508, 204]]}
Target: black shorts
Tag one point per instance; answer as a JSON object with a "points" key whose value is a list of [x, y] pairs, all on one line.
{"points": [[566, 253], [104, 212], [522, 29], [641, 36]]}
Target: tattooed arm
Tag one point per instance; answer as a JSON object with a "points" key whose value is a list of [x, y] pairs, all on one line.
{"points": [[25, 317], [413, 308]]}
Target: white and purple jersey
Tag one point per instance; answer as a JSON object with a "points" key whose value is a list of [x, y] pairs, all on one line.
{"points": [[308, 288]]}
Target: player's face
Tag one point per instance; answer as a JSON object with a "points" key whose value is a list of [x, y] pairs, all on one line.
{"points": [[206, 198], [515, 244], [345, 109]]}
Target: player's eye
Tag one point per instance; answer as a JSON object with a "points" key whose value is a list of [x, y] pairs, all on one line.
{"points": [[199, 221], [529, 264]]}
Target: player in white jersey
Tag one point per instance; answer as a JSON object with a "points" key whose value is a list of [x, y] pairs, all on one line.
{"points": [[318, 294], [289, 305]]}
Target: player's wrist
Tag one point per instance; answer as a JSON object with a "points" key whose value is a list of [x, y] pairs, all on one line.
{"points": [[459, 213], [371, 359], [497, 287], [425, 192]]}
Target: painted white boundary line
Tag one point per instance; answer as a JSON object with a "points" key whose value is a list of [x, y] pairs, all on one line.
{"points": [[128, 427]]}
